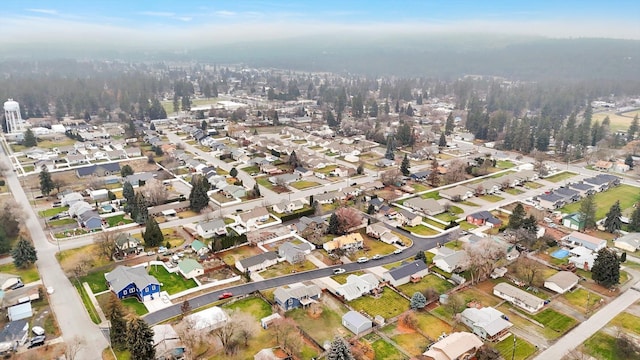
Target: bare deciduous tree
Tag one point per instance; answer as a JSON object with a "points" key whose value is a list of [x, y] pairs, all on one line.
{"points": [[391, 177], [106, 241], [155, 192], [530, 271], [248, 326], [348, 218], [287, 334], [74, 347], [481, 258], [455, 172]]}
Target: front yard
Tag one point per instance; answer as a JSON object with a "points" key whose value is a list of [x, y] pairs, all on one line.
{"points": [[172, 283], [523, 348], [626, 194], [389, 304], [304, 184], [556, 324], [284, 268], [582, 299], [421, 230], [29, 274]]}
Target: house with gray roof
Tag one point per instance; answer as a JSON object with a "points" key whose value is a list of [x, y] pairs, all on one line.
{"points": [[426, 206], [488, 323], [294, 253], [257, 262], [357, 286], [356, 322], [14, 334], [583, 188], [449, 260], [127, 281], [296, 295], [551, 201], [137, 178], [404, 273], [253, 217], [210, 228], [518, 297], [127, 244], [102, 169], [90, 220]]}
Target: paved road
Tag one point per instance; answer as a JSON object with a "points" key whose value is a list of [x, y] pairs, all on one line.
{"points": [[582, 332], [65, 302], [202, 300]]}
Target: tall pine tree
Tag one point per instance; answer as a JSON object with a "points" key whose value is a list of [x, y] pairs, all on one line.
{"points": [[140, 340], [152, 234], [115, 313], [404, 167], [339, 350], [613, 221]]}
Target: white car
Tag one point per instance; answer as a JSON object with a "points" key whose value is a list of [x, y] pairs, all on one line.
{"points": [[398, 251], [362, 260], [339, 271]]}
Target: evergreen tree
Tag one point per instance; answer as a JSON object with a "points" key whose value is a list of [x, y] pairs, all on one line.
{"points": [[140, 340], [334, 224], [339, 350], [24, 254], [256, 190], [360, 169], [613, 221], [128, 193], [152, 234], [588, 212], [420, 255], [293, 160], [204, 125], [29, 139], [233, 172], [449, 124], [606, 268], [623, 257], [139, 210], [530, 224], [404, 135], [391, 147], [46, 183], [198, 198], [442, 143], [371, 209], [404, 167], [629, 161], [418, 301], [115, 313], [633, 129], [634, 222], [126, 170], [516, 217]]}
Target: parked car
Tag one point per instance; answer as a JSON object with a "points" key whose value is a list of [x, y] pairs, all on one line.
{"points": [[339, 271], [17, 285], [162, 249], [36, 341], [362, 260], [225, 295], [150, 253], [398, 251], [377, 257]]}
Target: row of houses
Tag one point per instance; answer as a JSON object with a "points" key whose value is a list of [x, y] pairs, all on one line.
{"points": [[575, 191], [488, 186]]}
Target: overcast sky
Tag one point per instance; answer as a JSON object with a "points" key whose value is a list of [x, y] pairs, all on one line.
{"points": [[197, 22]]}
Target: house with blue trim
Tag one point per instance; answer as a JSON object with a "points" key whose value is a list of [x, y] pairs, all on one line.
{"points": [[126, 282], [296, 295]]}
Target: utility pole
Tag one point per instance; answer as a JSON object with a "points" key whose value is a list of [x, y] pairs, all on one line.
{"points": [[513, 355]]}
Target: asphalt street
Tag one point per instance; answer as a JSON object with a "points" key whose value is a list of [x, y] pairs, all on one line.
{"points": [[73, 319], [419, 244]]}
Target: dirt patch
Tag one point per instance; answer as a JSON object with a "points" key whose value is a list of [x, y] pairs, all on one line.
{"points": [[486, 287]]}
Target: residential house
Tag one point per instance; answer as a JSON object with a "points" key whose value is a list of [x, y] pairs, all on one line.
{"points": [[133, 152], [350, 192], [384, 162], [569, 194], [286, 206], [257, 262], [302, 172], [583, 188], [603, 182], [482, 218], [20, 311], [342, 172], [582, 257], [234, 191], [551, 201], [376, 230], [127, 281], [167, 342], [198, 247], [603, 165], [590, 242], [71, 198], [90, 220], [518, 297], [629, 242], [457, 193], [562, 281], [210, 228], [268, 354], [13, 335], [78, 208], [406, 272], [307, 225], [190, 268], [420, 175], [356, 322], [296, 295], [253, 217], [427, 206], [456, 346], [357, 286], [326, 198], [407, 218], [102, 169], [284, 179], [573, 221], [346, 242], [620, 166], [488, 323], [208, 319], [99, 194], [376, 202], [126, 244], [138, 179], [449, 260], [294, 253]]}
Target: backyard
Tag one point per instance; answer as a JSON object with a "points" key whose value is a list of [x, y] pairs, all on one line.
{"points": [[389, 304], [522, 351], [324, 327], [118, 220], [427, 282], [172, 283], [382, 349], [408, 339], [626, 194]]}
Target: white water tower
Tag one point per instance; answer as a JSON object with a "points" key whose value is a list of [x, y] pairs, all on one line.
{"points": [[15, 124]]}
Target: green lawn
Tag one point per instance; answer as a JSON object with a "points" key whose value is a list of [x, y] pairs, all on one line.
{"points": [[421, 230], [554, 322], [118, 220], [464, 225], [251, 169], [429, 281], [342, 278], [96, 281], [446, 216], [532, 185], [304, 184], [468, 203], [628, 322], [62, 222], [504, 164], [602, 346], [171, 283], [431, 195], [434, 223], [327, 169], [284, 268], [27, 275], [93, 314], [383, 350], [322, 328], [135, 306], [560, 176], [53, 211], [578, 299], [412, 342], [252, 305], [431, 325], [390, 304], [419, 187], [513, 191], [626, 194], [523, 349], [491, 198]]}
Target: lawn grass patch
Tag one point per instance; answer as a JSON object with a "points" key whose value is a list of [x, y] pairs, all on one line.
{"points": [[446, 216], [253, 305], [285, 268], [96, 281], [427, 282], [504, 164], [554, 322], [513, 191], [602, 346], [389, 304], [560, 176], [53, 211], [419, 187], [135, 306], [421, 230], [93, 314], [29, 274], [628, 322], [385, 351], [431, 195], [118, 220], [433, 223], [491, 198], [578, 299], [62, 222], [412, 342], [431, 325], [523, 348], [626, 194], [172, 283], [342, 278], [251, 169], [469, 203], [304, 184], [464, 225], [327, 169], [321, 328]]}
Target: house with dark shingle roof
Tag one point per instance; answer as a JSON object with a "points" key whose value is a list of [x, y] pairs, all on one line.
{"points": [[404, 273], [103, 169], [482, 218], [127, 281], [257, 262]]}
